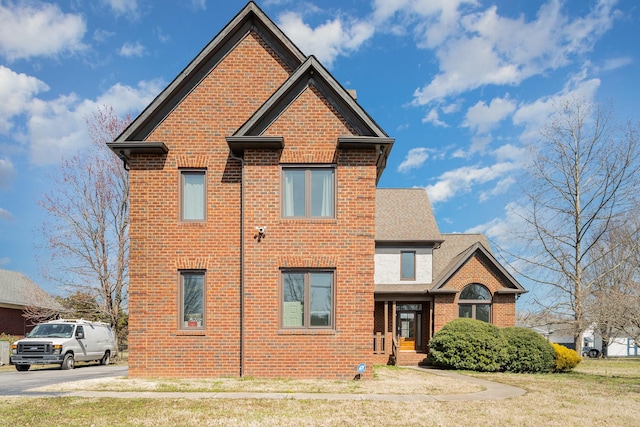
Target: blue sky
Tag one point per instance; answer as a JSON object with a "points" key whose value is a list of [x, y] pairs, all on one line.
{"points": [[460, 84]]}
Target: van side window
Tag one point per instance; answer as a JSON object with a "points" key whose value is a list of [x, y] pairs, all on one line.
{"points": [[79, 332]]}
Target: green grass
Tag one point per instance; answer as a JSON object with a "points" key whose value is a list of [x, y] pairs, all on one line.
{"points": [[604, 392]]}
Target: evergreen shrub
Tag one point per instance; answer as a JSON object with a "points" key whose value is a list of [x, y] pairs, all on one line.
{"points": [[566, 359], [468, 344], [527, 351]]}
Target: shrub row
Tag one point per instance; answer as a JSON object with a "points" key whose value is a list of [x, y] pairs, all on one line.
{"points": [[479, 346]]}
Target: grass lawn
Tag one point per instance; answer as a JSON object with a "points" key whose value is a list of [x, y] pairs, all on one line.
{"points": [[597, 392]]}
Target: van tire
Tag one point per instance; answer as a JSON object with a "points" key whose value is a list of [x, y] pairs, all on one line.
{"points": [[106, 359], [68, 362], [22, 368]]}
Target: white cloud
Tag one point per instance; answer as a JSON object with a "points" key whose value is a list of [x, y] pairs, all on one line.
{"points": [[433, 118], [123, 7], [615, 63], [7, 173], [463, 180], [415, 158], [501, 187], [534, 116], [16, 93], [326, 41], [129, 50], [39, 29], [503, 230], [198, 4], [497, 50], [481, 118], [58, 128], [5, 214], [5, 260]]}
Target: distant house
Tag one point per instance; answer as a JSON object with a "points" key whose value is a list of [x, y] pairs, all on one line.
{"points": [[260, 243], [562, 333], [17, 292]]}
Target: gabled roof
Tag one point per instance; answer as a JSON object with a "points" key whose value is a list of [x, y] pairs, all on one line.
{"points": [[404, 215], [17, 290], [457, 250], [250, 18], [312, 73]]}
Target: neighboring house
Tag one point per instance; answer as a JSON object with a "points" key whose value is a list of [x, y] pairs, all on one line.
{"points": [[560, 333], [260, 245], [17, 292]]}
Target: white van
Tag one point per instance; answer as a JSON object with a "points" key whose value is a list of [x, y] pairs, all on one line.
{"points": [[64, 342]]}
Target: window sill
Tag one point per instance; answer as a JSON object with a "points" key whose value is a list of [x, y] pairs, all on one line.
{"points": [[306, 332], [198, 333], [307, 220]]}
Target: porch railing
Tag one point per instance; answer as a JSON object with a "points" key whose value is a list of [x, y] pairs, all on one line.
{"points": [[379, 343]]}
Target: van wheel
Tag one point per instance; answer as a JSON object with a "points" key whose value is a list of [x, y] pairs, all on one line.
{"points": [[106, 359], [68, 362], [22, 368]]}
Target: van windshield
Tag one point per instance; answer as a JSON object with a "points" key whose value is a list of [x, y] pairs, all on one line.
{"points": [[51, 330]]}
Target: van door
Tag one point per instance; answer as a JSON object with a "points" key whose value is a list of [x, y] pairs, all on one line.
{"points": [[81, 338]]}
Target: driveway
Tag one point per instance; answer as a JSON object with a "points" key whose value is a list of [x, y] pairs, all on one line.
{"points": [[14, 383]]}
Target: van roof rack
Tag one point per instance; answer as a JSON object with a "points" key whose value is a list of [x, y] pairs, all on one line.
{"points": [[83, 321]]}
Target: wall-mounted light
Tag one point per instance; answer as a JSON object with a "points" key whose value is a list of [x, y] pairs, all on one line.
{"points": [[261, 233]]}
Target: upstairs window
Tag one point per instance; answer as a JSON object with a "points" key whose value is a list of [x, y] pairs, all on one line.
{"points": [[475, 302], [308, 193], [192, 195], [307, 299], [407, 265]]}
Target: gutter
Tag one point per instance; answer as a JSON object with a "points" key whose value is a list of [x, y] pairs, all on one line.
{"points": [[241, 160]]}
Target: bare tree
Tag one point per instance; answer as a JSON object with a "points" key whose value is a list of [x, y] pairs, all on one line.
{"points": [[614, 276], [87, 229], [580, 180]]}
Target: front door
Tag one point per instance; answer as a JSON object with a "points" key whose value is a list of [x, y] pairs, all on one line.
{"points": [[409, 330]]}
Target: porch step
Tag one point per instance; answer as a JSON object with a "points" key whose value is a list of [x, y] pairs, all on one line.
{"points": [[411, 358]]}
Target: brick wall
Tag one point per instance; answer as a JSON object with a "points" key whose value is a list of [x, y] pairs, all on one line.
{"points": [[161, 245], [13, 323], [476, 270]]}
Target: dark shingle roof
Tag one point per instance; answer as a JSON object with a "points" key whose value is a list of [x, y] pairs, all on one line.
{"points": [[17, 289], [405, 215]]}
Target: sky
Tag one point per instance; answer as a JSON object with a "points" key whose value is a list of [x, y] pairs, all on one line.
{"points": [[462, 86]]}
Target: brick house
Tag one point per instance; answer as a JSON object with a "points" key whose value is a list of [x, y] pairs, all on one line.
{"points": [[254, 236], [18, 293]]}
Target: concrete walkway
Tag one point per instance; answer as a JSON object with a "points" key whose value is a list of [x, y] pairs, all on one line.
{"points": [[493, 391]]}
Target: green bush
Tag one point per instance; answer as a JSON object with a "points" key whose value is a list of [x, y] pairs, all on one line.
{"points": [[468, 344], [566, 359], [527, 351]]}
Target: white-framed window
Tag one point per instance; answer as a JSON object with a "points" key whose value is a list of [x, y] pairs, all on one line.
{"points": [[475, 302], [193, 195], [192, 300], [308, 192], [307, 299], [408, 265]]}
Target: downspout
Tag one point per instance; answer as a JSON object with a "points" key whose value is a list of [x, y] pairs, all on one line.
{"points": [[241, 160]]}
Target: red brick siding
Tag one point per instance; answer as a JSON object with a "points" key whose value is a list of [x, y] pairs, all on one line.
{"points": [[476, 270], [13, 323], [195, 134]]}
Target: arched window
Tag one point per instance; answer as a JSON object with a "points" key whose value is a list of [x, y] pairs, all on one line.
{"points": [[475, 302]]}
